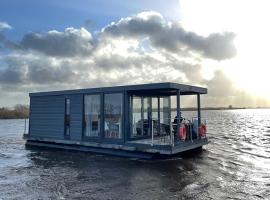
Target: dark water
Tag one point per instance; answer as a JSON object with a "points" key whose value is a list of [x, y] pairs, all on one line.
{"points": [[235, 165]]}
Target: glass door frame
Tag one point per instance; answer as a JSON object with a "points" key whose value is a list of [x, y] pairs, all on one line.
{"points": [[149, 98], [123, 132], [93, 138]]}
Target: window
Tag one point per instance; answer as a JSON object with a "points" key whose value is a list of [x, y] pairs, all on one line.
{"points": [[146, 116], [113, 115], [140, 107], [92, 115], [150, 114], [165, 114], [67, 117], [155, 115], [136, 116]]}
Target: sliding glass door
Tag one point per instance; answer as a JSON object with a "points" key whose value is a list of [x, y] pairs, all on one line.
{"points": [[164, 115], [136, 118], [149, 114], [92, 115], [146, 116], [113, 112], [140, 117], [155, 115]]}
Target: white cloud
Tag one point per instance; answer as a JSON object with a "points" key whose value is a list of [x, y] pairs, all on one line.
{"points": [[4, 25], [171, 36], [140, 49], [71, 42], [249, 70]]}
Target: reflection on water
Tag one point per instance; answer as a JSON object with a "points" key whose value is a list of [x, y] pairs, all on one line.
{"points": [[235, 165]]}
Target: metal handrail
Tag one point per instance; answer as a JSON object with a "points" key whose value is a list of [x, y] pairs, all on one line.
{"points": [[152, 133], [171, 124]]}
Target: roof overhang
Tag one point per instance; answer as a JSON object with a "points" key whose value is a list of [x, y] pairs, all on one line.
{"points": [[166, 88]]}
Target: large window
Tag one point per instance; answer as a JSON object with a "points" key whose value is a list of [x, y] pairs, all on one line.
{"points": [[136, 116], [113, 109], [150, 114], [155, 115], [165, 115], [92, 115], [67, 117], [146, 116], [140, 107]]}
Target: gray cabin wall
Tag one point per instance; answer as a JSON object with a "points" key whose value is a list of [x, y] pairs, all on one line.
{"points": [[76, 116], [47, 117]]}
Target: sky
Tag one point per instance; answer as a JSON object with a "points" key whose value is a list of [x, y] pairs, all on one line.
{"points": [[218, 44]]}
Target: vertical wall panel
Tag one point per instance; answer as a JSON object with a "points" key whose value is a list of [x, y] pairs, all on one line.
{"points": [[47, 117], [76, 116]]}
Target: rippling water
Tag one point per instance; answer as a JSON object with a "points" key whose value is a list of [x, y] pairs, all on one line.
{"points": [[235, 165]]}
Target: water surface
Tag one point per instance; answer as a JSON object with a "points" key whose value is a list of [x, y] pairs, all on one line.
{"points": [[235, 165]]}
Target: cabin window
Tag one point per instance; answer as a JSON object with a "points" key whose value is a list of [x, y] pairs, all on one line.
{"points": [[67, 117], [150, 114], [136, 116], [155, 115], [92, 115], [140, 116], [113, 109], [146, 116], [164, 115]]}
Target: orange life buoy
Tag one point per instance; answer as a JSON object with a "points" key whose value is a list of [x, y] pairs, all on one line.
{"points": [[202, 130], [182, 133]]}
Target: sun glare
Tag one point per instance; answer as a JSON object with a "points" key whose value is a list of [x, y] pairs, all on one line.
{"points": [[249, 70]]}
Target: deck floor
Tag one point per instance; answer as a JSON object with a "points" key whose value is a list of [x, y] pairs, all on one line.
{"points": [[162, 145], [158, 140]]}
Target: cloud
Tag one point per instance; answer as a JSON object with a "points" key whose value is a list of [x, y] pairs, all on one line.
{"points": [[172, 36], [220, 85], [222, 92], [11, 76], [140, 25], [4, 25], [3, 40], [151, 26], [71, 42], [143, 48], [35, 69]]}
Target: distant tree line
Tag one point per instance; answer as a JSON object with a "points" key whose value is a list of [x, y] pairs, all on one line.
{"points": [[18, 112]]}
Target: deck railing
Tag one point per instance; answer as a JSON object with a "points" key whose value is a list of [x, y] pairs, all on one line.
{"points": [[173, 135], [166, 133]]}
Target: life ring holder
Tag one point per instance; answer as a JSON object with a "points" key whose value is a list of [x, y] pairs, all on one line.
{"points": [[202, 130], [182, 132]]}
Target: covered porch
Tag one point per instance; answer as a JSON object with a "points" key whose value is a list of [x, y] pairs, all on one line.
{"points": [[156, 120]]}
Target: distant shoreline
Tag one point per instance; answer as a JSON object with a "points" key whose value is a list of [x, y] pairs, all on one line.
{"points": [[19, 112], [221, 108], [23, 113]]}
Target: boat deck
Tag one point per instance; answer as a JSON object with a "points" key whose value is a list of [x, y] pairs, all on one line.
{"points": [[129, 146], [161, 140]]}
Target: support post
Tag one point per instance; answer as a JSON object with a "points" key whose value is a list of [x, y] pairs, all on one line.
{"points": [[171, 134], [158, 120], [131, 121], [152, 133], [142, 115], [199, 109], [178, 110], [149, 115]]}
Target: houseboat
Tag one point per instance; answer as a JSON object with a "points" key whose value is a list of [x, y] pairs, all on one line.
{"points": [[131, 120]]}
